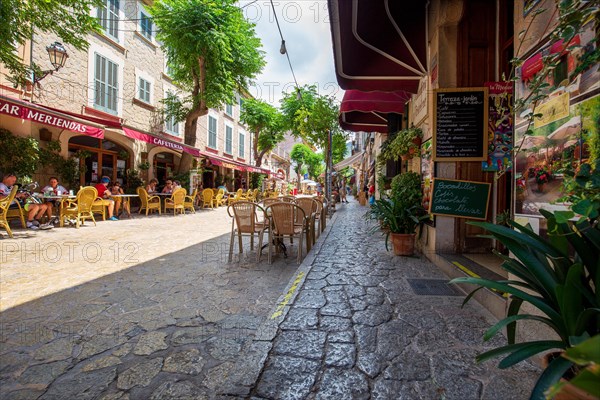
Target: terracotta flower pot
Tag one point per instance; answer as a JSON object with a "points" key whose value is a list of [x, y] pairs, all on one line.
{"points": [[403, 243]]}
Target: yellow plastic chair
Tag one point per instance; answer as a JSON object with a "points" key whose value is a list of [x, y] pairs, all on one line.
{"points": [[81, 208], [236, 197], [17, 212], [252, 195], [4, 204], [189, 201], [222, 201], [99, 207], [149, 203], [207, 198], [176, 202], [246, 222]]}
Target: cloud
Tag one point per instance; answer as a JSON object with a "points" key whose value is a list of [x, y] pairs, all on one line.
{"points": [[305, 29]]}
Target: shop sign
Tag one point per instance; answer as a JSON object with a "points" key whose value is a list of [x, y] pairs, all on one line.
{"points": [[144, 137], [39, 116], [462, 199]]}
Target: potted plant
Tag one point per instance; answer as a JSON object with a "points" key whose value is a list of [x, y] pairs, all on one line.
{"points": [[559, 276], [400, 212]]}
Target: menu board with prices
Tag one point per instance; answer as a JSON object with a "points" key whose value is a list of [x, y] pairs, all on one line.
{"points": [[461, 116]]}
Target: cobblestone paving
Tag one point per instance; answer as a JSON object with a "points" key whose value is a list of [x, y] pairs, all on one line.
{"points": [[356, 330], [137, 309]]}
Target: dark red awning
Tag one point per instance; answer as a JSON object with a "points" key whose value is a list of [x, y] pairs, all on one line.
{"points": [[48, 116], [379, 44], [367, 111]]}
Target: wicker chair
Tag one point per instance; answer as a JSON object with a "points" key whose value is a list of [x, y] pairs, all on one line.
{"points": [[283, 216], [288, 199], [246, 222], [16, 212], [149, 203], [189, 201], [81, 208], [208, 198], [269, 200], [176, 202], [4, 204], [309, 206]]}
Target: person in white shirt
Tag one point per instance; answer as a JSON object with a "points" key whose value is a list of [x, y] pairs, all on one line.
{"points": [[32, 209], [54, 189]]}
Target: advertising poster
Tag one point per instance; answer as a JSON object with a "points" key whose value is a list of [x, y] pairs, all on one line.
{"points": [[500, 127], [558, 140]]}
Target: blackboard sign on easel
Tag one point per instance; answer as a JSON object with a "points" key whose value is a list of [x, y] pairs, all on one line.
{"points": [[463, 199], [460, 121]]}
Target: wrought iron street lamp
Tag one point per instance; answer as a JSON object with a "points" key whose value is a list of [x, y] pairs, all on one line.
{"points": [[58, 57]]}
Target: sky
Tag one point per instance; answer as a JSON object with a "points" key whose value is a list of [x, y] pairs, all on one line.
{"points": [[305, 29]]}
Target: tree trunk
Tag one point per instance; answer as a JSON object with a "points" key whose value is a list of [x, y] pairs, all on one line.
{"points": [[189, 135], [298, 169]]}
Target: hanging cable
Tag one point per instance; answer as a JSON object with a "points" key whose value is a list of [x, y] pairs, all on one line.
{"points": [[283, 50]]}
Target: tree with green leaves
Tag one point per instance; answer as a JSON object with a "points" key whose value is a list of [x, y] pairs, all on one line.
{"points": [[70, 20], [212, 51], [314, 117], [266, 124], [300, 155], [315, 165]]}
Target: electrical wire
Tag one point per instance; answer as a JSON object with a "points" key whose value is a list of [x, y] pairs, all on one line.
{"points": [[287, 54]]}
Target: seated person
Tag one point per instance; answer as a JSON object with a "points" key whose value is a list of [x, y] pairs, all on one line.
{"points": [[54, 189], [176, 185], [104, 197], [151, 187], [168, 187], [115, 188], [34, 211]]}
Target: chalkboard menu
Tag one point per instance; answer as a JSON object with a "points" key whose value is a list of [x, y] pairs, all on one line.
{"points": [[463, 199], [461, 116]]}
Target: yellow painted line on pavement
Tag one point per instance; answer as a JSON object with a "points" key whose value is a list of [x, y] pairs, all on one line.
{"points": [[474, 275], [465, 270], [288, 296]]}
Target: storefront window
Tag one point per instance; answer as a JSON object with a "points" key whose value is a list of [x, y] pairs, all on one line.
{"points": [[106, 158]]}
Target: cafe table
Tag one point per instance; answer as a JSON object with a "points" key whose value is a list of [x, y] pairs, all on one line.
{"points": [[163, 197], [125, 203]]}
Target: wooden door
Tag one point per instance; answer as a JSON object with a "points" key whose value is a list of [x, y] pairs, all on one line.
{"points": [[476, 65]]}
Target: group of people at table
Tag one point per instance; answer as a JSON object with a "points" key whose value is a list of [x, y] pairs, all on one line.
{"points": [[47, 203]]}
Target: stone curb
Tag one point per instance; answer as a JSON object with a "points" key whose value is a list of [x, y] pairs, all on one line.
{"points": [[252, 360]]}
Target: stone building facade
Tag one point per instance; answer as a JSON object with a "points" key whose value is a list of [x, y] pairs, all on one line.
{"points": [[117, 85]]}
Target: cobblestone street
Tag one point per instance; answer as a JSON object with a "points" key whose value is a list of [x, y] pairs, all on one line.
{"points": [[136, 309], [149, 308], [357, 330]]}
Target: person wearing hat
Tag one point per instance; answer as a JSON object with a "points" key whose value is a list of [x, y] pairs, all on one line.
{"points": [[104, 197]]}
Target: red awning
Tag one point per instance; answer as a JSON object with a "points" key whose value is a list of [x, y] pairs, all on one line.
{"points": [[146, 137], [367, 111], [47, 116], [229, 163], [379, 44]]}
